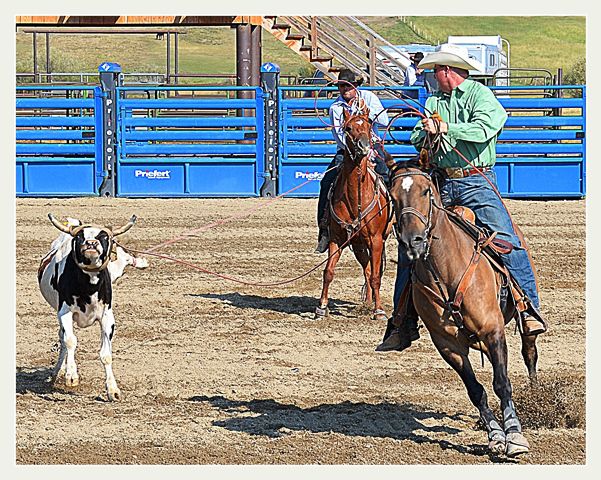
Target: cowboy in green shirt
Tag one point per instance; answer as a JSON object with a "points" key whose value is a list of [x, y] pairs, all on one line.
{"points": [[471, 119]]}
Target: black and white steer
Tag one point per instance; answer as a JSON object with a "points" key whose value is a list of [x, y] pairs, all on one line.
{"points": [[76, 279]]}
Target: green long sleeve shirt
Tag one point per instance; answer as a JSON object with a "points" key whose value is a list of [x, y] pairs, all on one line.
{"points": [[475, 118]]}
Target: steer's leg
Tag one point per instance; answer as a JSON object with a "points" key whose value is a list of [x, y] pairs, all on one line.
{"points": [[61, 363], [65, 318], [107, 330]]}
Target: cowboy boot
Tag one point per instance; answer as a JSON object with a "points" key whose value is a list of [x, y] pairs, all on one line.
{"points": [[401, 331], [324, 238], [532, 322]]}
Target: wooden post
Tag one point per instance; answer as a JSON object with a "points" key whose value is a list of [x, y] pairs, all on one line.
{"points": [[371, 55], [313, 37], [35, 57]]}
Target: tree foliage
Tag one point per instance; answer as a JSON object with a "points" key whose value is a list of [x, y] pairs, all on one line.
{"points": [[576, 74]]}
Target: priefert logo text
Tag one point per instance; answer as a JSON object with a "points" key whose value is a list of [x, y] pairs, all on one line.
{"points": [[153, 174], [309, 175]]}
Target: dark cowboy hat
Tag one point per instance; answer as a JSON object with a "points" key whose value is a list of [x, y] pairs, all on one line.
{"points": [[346, 76], [416, 57]]}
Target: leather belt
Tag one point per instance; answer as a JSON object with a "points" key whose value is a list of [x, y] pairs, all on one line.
{"points": [[464, 172]]}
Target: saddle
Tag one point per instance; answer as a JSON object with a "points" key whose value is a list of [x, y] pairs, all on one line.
{"points": [[491, 248]]}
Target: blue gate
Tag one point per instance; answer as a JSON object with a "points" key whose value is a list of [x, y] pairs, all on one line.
{"points": [[58, 141], [174, 144], [306, 143], [204, 141], [541, 151]]}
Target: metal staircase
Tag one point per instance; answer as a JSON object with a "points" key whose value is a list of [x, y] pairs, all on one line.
{"points": [[333, 43]]}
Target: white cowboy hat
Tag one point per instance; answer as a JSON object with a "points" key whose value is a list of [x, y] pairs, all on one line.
{"points": [[453, 56]]}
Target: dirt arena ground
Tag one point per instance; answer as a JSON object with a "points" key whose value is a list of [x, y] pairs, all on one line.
{"points": [[216, 372]]}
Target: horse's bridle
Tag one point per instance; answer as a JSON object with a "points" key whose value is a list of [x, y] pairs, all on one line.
{"points": [[426, 220], [355, 155]]}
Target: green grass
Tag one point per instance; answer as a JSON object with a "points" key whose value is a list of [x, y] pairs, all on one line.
{"points": [[536, 42]]}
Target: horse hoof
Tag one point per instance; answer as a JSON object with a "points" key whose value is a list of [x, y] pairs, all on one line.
{"points": [[320, 313], [497, 443], [516, 444]]}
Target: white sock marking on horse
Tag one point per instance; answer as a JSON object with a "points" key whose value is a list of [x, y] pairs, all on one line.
{"points": [[406, 184]]}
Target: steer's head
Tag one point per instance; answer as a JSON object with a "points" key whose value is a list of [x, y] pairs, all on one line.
{"points": [[92, 244]]}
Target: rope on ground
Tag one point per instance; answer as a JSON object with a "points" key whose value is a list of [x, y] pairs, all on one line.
{"points": [[242, 214], [255, 284]]}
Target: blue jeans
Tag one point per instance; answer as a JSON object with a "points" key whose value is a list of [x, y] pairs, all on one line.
{"points": [[475, 192], [328, 178]]}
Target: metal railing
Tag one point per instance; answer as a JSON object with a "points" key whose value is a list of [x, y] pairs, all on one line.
{"points": [[351, 44]]}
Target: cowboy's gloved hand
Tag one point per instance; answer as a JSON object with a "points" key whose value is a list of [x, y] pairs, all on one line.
{"points": [[432, 125]]}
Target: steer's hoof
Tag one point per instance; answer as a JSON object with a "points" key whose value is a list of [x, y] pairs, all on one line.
{"points": [[114, 395], [497, 443], [516, 444], [71, 380]]}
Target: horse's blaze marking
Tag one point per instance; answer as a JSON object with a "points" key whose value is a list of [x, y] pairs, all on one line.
{"points": [[406, 184], [359, 122]]}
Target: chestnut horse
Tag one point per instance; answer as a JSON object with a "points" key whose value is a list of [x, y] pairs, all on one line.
{"points": [[359, 210], [441, 252]]}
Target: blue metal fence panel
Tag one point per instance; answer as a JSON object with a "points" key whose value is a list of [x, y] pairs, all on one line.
{"points": [[186, 145], [541, 152], [57, 141], [306, 142]]}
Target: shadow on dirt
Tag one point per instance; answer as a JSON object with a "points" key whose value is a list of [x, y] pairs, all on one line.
{"points": [[384, 420], [33, 380], [291, 305]]}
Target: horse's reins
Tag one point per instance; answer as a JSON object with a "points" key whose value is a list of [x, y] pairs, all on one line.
{"points": [[354, 155]]}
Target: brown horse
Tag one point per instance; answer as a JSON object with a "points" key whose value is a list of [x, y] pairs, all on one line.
{"points": [[441, 252], [359, 210]]}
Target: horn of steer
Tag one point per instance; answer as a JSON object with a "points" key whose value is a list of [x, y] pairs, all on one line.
{"points": [[59, 225], [126, 227]]}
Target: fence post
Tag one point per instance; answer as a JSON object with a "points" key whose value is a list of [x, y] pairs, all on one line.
{"points": [[422, 96], [109, 81], [270, 82]]}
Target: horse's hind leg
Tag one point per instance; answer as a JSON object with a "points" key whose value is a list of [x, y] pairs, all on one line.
{"points": [[530, 355], [497, 348], [334, 253], [362, 255], [457, 357], [377, 247]]}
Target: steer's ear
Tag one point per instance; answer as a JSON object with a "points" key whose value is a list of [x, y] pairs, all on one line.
{"points": [[62, 227]]}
